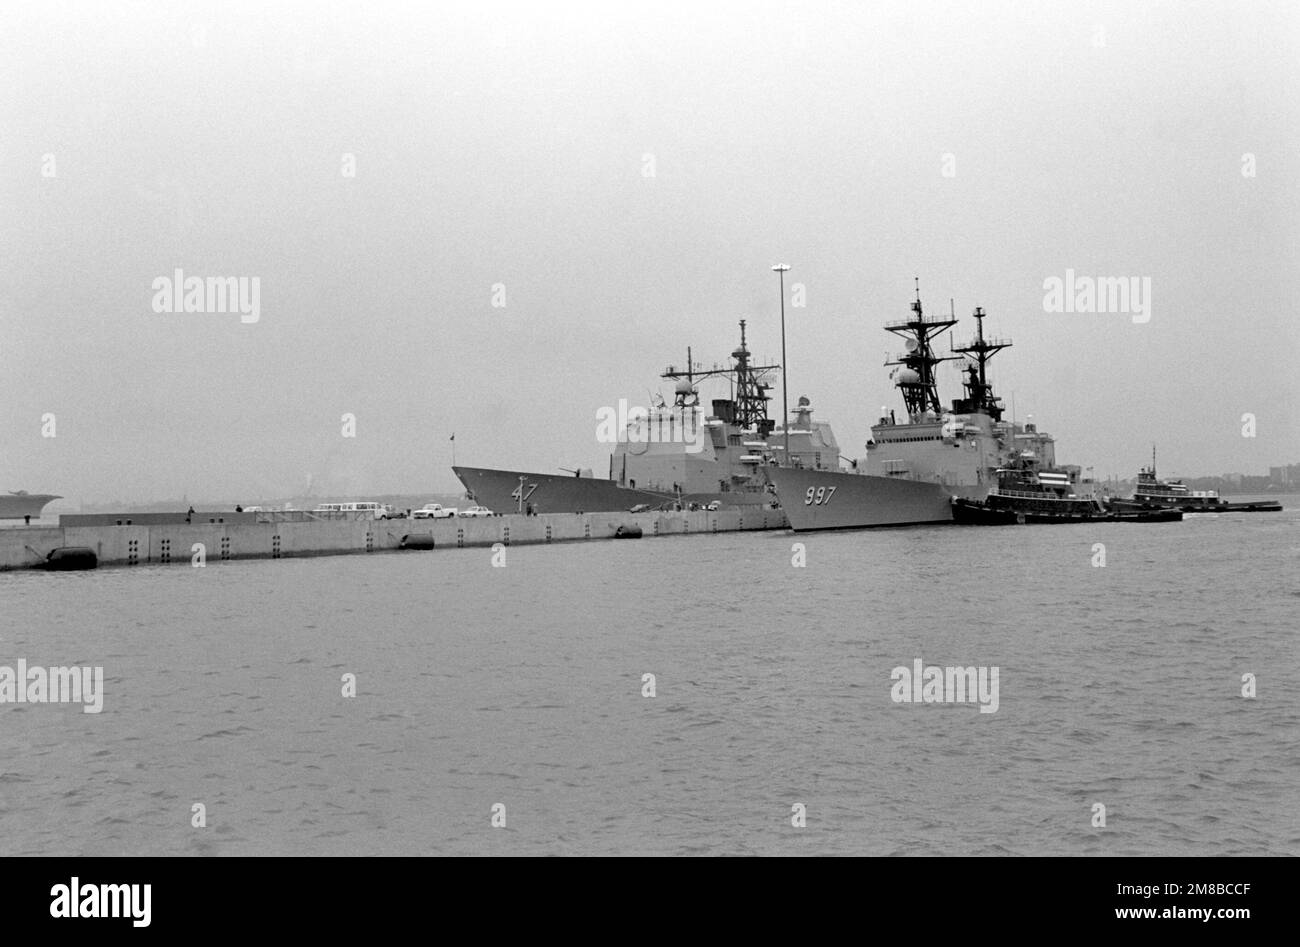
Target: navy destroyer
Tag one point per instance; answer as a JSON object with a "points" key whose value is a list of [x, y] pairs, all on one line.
{"points": [[914, 466], [676, 456]]}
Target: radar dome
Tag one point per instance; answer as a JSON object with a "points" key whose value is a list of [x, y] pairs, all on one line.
{"points": [[684, 387], [908, 376]]}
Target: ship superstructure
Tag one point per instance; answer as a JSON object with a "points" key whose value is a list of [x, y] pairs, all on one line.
{"points": [[677, 454]]}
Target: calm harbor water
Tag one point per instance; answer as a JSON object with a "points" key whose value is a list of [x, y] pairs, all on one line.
{"points": [[522, 686]]}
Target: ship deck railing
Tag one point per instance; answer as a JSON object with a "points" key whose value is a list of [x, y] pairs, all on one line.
{"points": [[1032, 495]]}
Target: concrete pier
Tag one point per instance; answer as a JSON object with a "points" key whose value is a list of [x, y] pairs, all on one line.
{"points": [[161, 538]]}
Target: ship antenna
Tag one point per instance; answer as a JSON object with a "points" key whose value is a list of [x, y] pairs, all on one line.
{"points": [[747, 387], [690, 377], [920, 394], [979, 393]]}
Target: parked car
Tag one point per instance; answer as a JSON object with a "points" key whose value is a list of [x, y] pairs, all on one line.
{"points": [[640, 508], [433, 511], [714, 506], [476, 511]]}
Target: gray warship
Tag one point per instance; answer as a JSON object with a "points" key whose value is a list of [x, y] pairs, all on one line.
{"points": [[914, 467], [676, 456]]}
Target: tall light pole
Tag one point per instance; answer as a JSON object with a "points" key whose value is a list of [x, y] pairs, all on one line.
{"points": [[785, 389]]}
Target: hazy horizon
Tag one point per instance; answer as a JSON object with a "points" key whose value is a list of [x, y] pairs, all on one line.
{"points": [[623, 181]]}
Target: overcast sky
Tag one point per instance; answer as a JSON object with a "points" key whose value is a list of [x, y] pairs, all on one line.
{"points": [[626, 178]]}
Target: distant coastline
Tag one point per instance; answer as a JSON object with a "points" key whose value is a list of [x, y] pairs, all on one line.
{"points": [[1229, 485]]}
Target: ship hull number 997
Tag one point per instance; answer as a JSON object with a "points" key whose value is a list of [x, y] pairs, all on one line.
{"points": [[816, 496]]}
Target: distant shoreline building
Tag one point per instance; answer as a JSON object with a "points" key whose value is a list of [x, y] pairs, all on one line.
{"points": [[1285, 477]]}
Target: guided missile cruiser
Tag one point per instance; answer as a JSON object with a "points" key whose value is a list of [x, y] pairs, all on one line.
{"points": [[676, 454]]}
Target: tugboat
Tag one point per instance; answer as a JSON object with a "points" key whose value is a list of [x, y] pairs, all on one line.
{"points": [[1152, 493], [1026, 493]]}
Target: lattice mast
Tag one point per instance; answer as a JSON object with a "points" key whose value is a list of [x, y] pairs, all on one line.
{"points": [[917, 377], [748, 383], [979, 393]]}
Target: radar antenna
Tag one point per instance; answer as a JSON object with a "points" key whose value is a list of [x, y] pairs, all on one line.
{"points": [[749, 383], [917, 380], [979, 393]]}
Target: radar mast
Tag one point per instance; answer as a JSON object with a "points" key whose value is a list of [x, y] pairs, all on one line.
{"points": [[748, 409], [916, 376], [979, 393]]}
